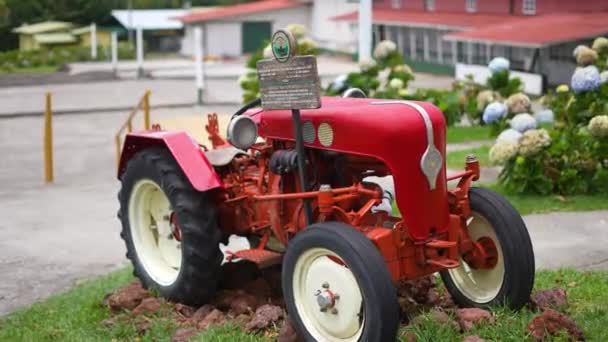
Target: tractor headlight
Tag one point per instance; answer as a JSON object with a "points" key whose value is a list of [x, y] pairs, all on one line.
{"points": [[242, 132]]}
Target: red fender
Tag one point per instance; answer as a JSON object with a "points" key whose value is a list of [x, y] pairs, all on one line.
{"points": [[189, 156]]}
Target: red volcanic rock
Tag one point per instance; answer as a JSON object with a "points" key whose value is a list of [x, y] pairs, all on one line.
{"points": [[264, 316], [127, 297], [470, 317], [243, 303], [551, 322], [202, 312], [147, 306], [549, 299], [215, 317], [184, 310]]}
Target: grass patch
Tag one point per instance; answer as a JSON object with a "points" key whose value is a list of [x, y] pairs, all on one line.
{"points": [[464, 134], [456, 160], [44, 69], [76, 315], [536, 204]]}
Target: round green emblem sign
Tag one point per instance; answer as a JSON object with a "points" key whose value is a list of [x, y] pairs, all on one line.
{"points": [[283, 45]]}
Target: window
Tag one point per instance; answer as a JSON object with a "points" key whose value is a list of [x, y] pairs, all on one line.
{"points": [[529, 7], [429, 5], [396, 4], [471, 5]]}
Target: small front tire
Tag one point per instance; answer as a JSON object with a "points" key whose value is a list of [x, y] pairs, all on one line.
{"points": [[510, 281], [337, 286]]}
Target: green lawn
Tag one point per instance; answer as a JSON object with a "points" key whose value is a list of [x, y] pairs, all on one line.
{"points": [[45, 69], [464, 134], [455, 160], [77, 314]]}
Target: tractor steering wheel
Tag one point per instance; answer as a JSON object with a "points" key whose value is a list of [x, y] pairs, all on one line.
{"points": [[255, 103]]}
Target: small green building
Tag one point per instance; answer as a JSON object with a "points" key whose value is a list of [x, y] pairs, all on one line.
{"points": [[50, 34]]}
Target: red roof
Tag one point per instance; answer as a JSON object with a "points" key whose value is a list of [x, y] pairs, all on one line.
{"points": [[240, 9], [431, 19], [539, 30]]}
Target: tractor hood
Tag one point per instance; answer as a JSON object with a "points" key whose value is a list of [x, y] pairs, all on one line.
{"points": [[408, 136]]}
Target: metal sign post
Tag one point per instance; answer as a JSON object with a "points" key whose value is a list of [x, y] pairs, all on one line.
{"points": [[198, 63], [93, 41], [291, 82]]}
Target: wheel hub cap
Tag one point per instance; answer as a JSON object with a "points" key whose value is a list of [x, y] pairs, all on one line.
{"points": [[327, 296]]}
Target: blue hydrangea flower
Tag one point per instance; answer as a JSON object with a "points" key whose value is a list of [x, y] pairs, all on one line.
{"points": [[585, 79], [545, 116], [508, 136], [523, 122], [494, 111], [499, 64]]}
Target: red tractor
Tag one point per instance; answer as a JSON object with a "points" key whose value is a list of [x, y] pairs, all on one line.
{"points": [[303, 198]]}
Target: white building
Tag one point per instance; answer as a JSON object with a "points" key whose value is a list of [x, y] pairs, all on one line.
{"points": [[243, 28]]}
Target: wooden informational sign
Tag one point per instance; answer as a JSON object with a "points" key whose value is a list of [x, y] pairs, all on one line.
{"points": [[288, 82]]}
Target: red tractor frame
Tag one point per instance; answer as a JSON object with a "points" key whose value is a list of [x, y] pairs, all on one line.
{"points": [[341, 256]]}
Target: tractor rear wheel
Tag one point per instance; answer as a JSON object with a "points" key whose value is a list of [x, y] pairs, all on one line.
{"points": [[337, 286], [170, 229], [509, 278]]}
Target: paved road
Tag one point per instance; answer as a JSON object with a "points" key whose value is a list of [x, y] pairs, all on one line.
{"points": [[51, 236]]}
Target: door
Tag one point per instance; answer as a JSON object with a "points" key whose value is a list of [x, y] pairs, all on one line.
{"points": [[255, 34]]}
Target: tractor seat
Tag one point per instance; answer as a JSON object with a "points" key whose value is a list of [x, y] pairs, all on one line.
{"points": [[223, 156]]}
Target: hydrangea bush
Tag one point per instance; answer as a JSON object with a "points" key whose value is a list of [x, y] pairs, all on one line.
{"points": [[571, 157], [249, 79]]}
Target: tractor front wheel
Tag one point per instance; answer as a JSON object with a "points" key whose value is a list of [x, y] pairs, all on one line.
{"points": [[507, 277], [170, 229], [337, 286]]}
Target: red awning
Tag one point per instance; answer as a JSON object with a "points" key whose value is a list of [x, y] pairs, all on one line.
{"points": [[240, 9], [440, 20], [538, 31]]}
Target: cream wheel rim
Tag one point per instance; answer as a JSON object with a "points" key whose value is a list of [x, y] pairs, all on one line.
{"points": [[480, 285], [327, 297], [157, 249]]}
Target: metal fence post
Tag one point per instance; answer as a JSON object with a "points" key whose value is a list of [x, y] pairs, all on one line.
{"points": [[48, 140]]}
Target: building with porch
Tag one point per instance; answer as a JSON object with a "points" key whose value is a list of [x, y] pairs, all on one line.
{"points": [[538, 36]]}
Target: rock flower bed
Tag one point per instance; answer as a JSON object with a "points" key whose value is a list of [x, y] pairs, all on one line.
{"points": [[569, 157], [251, 300]]}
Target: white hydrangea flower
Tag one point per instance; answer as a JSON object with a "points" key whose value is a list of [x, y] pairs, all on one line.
{"points": [[403, 68], [508, 136], [600, 44], [384, 48], [307, 44], [518, 103], [577, 49], [367, 64], [598, 126], [562, 88], [268, 51], [585, 79], [545, 116], [523, 122], [603, 76], [493, 112], [396, 83], [501, 153], [403, 92], [533, 141], [499, 64], [297, 30], [586, 56], [484, 98]]}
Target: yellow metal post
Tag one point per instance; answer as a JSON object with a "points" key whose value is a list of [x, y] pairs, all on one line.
{"points": [[48, 140], [118, 151], [147, 110]]}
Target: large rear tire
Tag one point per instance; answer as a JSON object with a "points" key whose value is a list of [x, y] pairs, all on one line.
{"points": [[511, 279], [337, 286], [170, 229]]}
